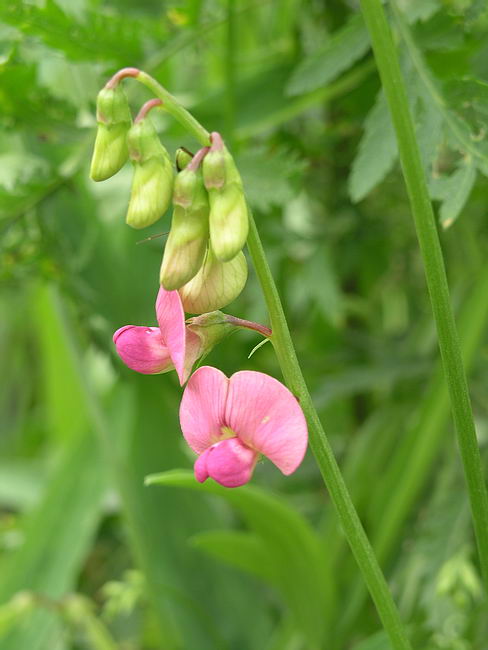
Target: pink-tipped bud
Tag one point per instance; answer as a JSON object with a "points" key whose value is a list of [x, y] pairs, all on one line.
{"points": [[152, 184], [114, 120], [187, 242], [229, 221]]}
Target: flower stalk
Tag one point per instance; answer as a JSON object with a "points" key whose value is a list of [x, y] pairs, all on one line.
{"points": [[290, 367]]}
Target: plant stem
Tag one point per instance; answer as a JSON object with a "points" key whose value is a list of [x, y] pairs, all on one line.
{"points": [[292, 373], [393, 84]]}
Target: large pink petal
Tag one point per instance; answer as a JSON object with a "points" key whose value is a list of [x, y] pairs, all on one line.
{"points": [[171, 320], [142, 349], [229, 462], [266, 416], [202, 408]]}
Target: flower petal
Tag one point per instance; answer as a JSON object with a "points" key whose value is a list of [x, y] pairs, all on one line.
{"points": [[229, 462], [171, 320], [142, 349], [194, 350], [265, 415], [202, 408]]}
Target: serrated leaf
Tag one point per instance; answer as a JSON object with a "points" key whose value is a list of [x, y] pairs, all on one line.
{"points": [[76, 83], [100, 35], [377, 151], [17, 168], [303, 572], [346, 46], [429, 131], [453, 191], [268, 177]]}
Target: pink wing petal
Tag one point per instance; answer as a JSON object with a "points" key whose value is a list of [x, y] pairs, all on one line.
{"points": [[266, 416], [202, 408], [171, 320], [194, 350], [229, 462], [142, 349]]}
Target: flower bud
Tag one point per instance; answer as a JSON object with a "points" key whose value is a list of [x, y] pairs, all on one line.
{"points": [[183, 157], [229, 222], [215, 285], [152, 184], [114, 120], [187, 242]]}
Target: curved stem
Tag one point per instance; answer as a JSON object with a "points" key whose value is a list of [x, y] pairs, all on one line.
{"points": [[292, 373], [393, 84], [145, 108]]}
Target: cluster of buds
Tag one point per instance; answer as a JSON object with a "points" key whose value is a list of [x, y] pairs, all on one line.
{"points": [[119, 139], [203, 257], [228, 422]]}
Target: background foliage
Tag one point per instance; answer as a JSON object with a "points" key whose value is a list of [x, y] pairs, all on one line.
{"points": [[90, 557]]}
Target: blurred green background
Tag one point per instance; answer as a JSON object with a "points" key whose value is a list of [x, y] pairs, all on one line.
{"points": [[90, 557]]}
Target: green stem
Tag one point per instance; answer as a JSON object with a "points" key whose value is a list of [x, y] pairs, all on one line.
{"points": [[393, 84], [290, 367]]}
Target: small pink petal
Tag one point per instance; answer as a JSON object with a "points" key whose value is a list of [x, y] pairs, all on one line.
{"points": [[200, 467], [265, 415], [202, 408], [171, 320], [229, 462], [142, 349]]}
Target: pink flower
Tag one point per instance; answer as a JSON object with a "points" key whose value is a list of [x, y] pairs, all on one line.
{"points": [[154, 350], [230, 422]]}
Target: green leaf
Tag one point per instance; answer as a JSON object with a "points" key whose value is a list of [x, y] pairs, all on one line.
{"points": [[378, 641], [377, 151], [269, 178], [453, 191], [242, 550], [18, 166], [340, 52], [298, 559], [108, 35]]}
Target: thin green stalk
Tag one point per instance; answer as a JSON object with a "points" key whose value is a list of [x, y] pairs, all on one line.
{"points": [[394, 87], [230, 72], [292, 373]]}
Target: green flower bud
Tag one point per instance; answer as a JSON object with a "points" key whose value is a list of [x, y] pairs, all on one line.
{"points": [[229, 221], [114, 120], [187, 242], [152, 184], [215, 285], [183, 157], [211, 328]]}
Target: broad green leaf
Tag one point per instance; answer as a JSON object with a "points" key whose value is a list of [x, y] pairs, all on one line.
{"points": [[339, 53], [303, 571], [242, 550], [377, 151]]}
